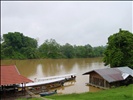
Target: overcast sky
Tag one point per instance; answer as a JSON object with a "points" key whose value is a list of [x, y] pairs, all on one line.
{"points": [[73, 22]]}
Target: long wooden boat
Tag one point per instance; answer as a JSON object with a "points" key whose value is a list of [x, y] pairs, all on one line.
{"points": [[43, 82], [67, 76], [48, 93], [51, 80]]}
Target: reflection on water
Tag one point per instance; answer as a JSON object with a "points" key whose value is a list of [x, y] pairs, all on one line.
{"points": [[50, 67], [39, 71]]}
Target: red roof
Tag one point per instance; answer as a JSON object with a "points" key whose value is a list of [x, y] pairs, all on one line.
{"points": [[10, 75]]}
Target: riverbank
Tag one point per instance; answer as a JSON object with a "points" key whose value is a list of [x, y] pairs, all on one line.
{"points": [[121, 93]]}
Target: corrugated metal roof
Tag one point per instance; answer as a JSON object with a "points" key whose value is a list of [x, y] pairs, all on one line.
{"points": [[113, 74], [126, 70], [110, 74], [10, 75]]}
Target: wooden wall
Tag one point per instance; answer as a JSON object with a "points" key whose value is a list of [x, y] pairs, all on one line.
{"points": [[96, 79]]}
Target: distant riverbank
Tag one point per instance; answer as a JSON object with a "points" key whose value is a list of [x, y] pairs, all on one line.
{"points": [[17, 46]]}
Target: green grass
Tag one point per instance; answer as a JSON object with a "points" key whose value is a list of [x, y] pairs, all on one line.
{"points": [[29, 99], [121, 93]]}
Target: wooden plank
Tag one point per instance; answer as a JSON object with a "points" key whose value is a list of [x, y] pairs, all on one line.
{"points": [[97, 86]]}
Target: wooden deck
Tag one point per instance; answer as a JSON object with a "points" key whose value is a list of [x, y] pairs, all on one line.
{"points": [[97, 86]]}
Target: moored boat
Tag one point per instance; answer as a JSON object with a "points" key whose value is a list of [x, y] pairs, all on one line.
{"points": [[48, 93]]}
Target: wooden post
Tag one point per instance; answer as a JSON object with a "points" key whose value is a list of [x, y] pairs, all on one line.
{"points": [[22, 88], [89, 78], [4, 95], [105, 83]]}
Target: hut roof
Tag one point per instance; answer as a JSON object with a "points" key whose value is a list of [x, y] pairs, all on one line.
{"points": [[126, 70], [113, 74], [10, 75]]}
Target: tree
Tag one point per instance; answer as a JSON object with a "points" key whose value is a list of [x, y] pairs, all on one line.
{"points": [[88, 50], [119, 51], [17, 46], [50, 49], [80, 51], [98, 51], [68, 51]]}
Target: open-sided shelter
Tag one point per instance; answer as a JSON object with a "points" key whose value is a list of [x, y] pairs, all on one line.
{"points": [[10, 77]]}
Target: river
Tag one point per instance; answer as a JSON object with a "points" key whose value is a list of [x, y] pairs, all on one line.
{"points": [[39, 68]]}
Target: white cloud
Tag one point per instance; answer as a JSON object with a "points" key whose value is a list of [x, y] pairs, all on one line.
{"points": [[73, 22]]}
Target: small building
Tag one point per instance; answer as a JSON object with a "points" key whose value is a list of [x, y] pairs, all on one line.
{"points": [[110, 77], [10, 78]]}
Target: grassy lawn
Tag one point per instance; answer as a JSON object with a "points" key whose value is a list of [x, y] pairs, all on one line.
{"points": [[121, 93]]}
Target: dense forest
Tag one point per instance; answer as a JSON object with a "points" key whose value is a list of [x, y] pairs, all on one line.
{"points": [[14, 45]]}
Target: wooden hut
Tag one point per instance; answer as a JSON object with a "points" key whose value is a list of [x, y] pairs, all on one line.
{"points": [[110, 77]]}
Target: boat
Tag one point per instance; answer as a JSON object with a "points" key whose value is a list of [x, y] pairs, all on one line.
{"points": [[43, 82], [67, 76], [50, 80], [48, 93], [70, 78]]}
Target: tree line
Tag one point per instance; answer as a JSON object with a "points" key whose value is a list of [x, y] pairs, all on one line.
{"points": [[14, 45]]}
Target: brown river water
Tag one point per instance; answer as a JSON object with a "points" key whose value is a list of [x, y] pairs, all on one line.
{"points": [[39, 68]]}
